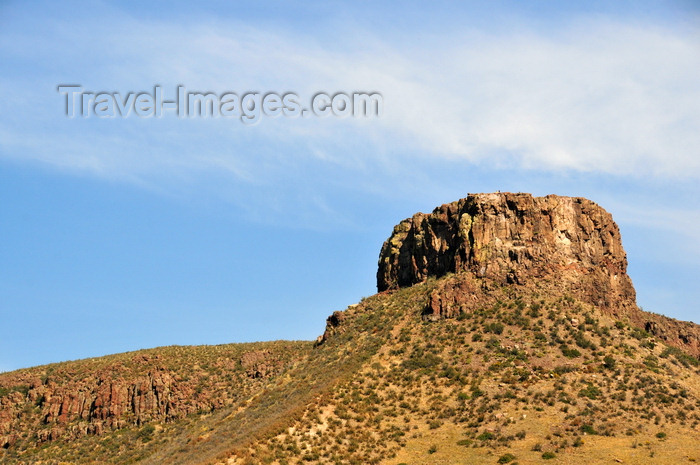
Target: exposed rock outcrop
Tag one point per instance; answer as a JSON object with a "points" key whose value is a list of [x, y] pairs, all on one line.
{"points": [[513, 238], [75, 399], [333, 325], [260, 363], [518, 239]]}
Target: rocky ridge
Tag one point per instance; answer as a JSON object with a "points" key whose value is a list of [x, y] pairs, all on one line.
{"points": [[61, 402]]}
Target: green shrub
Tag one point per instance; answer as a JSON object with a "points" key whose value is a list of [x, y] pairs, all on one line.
{"points": [[684, 359], [590, 391], [561, 369], [428, 360], [434, 424], [609, 362], [146, 433], [588, 429], [493, 344], [583, 342], [506, 458], [570, 353], [639, 333], [496, 328]]}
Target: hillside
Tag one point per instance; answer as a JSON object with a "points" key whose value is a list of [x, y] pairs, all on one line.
{"points": [[506, 330]]}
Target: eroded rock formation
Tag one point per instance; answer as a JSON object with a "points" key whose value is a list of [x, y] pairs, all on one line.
{"points": [[517, 239], [75, 400]]}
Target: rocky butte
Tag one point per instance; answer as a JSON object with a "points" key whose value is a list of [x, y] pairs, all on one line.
{"points": [[506, 329], [570, 243]]}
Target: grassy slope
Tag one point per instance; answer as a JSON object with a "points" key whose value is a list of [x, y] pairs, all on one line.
{"points": [[512, 375], [207, 376]]}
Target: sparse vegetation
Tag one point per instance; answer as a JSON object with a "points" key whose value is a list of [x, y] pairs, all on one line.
{"points": [[386, 382]]}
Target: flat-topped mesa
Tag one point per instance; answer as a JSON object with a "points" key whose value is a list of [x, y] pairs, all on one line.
{"points": [[514, 238]]}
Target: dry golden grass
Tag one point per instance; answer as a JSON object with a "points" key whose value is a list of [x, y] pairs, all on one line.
{"points": [[680, 446]]}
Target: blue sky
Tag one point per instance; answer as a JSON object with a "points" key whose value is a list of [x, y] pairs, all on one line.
{"points": [[121, 234]]}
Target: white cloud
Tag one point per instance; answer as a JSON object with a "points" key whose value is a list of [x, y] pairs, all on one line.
{"points": [[676, 230], [596, 96], [620, 100]]}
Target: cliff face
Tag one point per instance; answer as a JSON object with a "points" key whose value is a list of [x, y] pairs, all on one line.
{"points": [[513, 239], [93, 397], [503, 238]]}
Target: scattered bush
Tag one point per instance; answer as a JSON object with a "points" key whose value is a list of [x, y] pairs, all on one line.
{"points": [[570, 353], [146, 433], [428, 360], [639, 333], [496, 328], [609, 362], [684, 359], [434, 424], [590, 391], [588, 429]]}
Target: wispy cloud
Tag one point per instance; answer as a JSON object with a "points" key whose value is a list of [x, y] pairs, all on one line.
{"points": [[596, 96], [678, 228], [549, 100]]}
